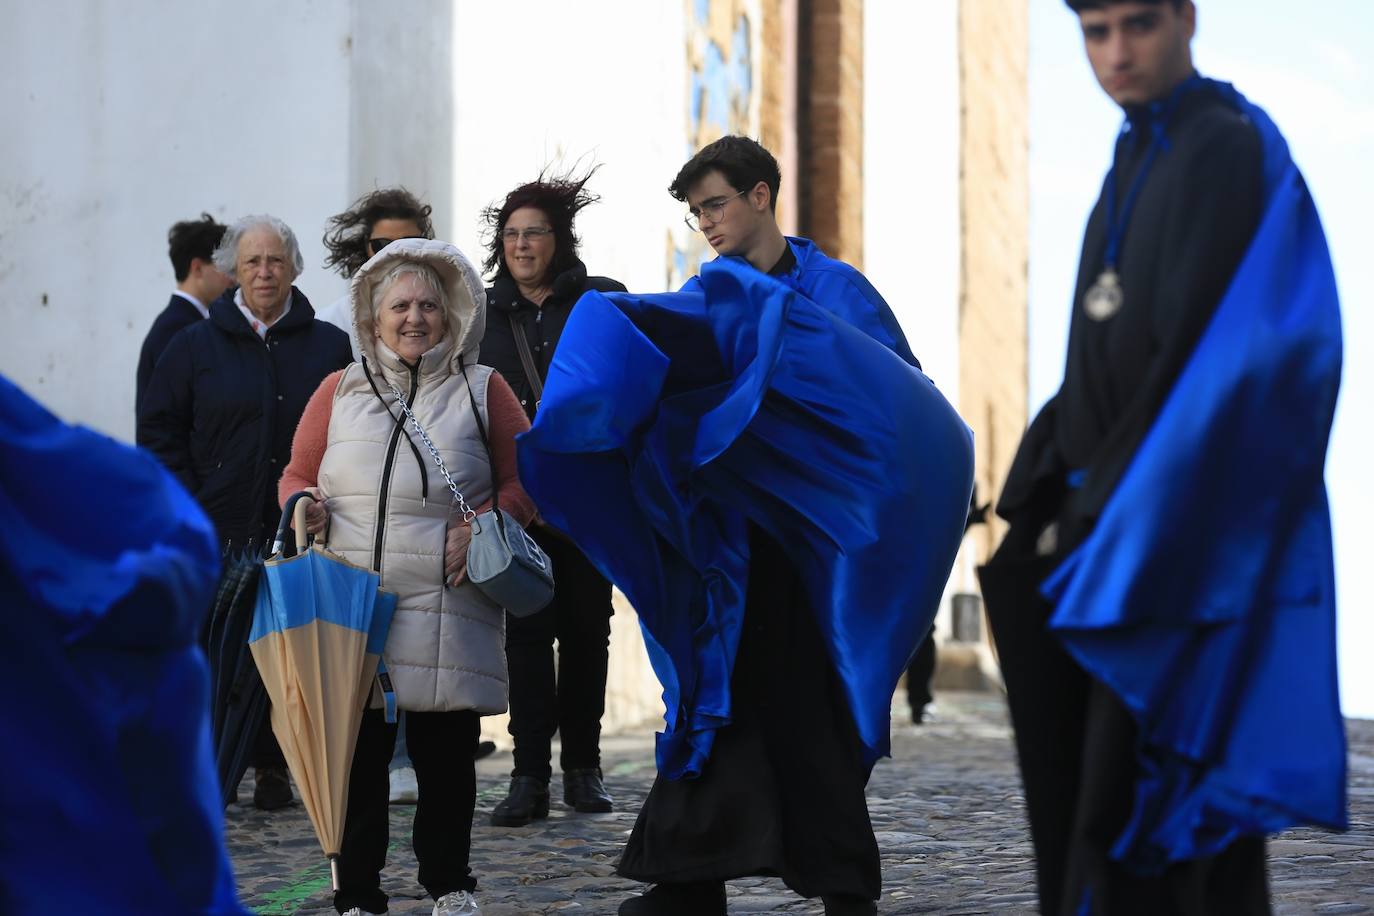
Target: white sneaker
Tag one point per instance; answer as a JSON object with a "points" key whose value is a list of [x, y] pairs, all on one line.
{"points": [[458, 903], [404, 789]]}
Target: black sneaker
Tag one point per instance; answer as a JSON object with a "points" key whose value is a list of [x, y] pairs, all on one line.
{"points": [[272, 789], [584, 791], [527, 800], [698, 898]]}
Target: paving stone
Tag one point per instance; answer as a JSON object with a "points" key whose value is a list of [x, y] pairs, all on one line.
{"points": [[947, 808]]}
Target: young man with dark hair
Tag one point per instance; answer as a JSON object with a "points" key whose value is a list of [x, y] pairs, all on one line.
{"points": [[731, 191], [1136, 634], [782, 791], [190, 245]]}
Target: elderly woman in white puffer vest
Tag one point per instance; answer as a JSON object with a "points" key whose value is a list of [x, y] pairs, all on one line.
{"points": [[419, 310]]}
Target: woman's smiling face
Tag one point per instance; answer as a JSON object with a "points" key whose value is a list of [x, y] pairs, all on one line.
{"points": [[411, 318]]}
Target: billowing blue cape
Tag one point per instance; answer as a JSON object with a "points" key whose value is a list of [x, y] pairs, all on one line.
{"points": [[670, 422], [1205, 595], [108, 797]]}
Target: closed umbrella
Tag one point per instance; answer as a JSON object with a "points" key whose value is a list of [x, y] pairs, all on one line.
{"points": [[319, 628], [238, 702]]}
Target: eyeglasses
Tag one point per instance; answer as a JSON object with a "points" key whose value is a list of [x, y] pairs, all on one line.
{"points": [[378, 244], [532, 234], [713, 209]]}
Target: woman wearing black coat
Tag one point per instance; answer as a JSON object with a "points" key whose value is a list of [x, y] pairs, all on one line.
{"points": [[538, 279], [225, 399]]}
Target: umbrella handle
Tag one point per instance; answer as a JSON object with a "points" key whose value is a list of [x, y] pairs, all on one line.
{"points": [[295, 507], [302, 538]]}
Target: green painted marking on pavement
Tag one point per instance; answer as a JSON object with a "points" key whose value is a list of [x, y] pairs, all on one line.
{"points": [[305, 884], [286, 901], [628, 767]]}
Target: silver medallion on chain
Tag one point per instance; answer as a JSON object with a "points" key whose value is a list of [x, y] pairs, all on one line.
{"points": [[1105, 297]]}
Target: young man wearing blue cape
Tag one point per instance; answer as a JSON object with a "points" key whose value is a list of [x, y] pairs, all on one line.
{"points": [[1163, 601], [759, 464]]}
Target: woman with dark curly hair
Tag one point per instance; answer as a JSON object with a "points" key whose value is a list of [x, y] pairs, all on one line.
{"points": [[538, 277], [374, 221]]}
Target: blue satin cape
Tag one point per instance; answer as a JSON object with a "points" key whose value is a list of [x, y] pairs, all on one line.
{"points": [[670, 422], [108, 796], [1205, 594]]}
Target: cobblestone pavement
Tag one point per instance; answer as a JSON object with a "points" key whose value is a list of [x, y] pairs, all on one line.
{"points": [[947, 809]]}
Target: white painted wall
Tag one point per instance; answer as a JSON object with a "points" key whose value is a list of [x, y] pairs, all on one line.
{"points": [[122, 118]]}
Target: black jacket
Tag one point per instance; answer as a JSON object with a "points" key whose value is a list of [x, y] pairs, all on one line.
{"points": [[543, 325], [178, 314], [222, 407], [1194, 218]]}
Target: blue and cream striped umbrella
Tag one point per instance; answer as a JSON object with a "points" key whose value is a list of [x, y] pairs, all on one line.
{"points": [[319, 627]]}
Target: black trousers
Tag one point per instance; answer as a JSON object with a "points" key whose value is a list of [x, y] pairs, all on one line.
{"points": [[441, 745], [1076, 745], [571, 699], [919, 673]]}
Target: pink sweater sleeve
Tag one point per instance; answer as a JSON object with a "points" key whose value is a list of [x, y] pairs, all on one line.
{"points": [[506, 419], [310, 441]]}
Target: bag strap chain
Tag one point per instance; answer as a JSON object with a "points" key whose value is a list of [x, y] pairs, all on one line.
{"points": [[468, 512]]}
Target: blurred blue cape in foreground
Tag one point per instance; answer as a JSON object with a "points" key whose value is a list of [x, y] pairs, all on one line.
{"points": [[672, 421], [108, 796], [1205, 594]]}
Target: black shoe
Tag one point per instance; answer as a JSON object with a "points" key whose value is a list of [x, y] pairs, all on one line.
{"points": [[844, 905], [699, 898], [584, 791], [484, 749], [528, 799], [272, 790]]}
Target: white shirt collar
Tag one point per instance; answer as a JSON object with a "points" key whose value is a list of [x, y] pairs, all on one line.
{"points": [[258, 327], [200, 306]]}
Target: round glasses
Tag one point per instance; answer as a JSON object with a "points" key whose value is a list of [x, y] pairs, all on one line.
{"points": [[712, 209]]}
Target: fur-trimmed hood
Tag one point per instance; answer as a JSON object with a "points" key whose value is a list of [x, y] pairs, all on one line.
{"points": [[467, 302]]}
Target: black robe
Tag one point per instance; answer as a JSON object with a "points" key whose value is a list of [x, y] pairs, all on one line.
{"points": [[783, 791], [1194, 217]]}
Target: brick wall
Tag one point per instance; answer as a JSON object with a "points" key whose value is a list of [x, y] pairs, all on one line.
{"points": [[994, 211], [831, 158]]}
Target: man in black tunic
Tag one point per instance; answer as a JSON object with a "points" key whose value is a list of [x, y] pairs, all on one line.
{"points": [[1176, 214]]}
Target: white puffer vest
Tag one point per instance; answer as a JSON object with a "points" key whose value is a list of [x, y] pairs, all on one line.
{"points": [[446, 649]]}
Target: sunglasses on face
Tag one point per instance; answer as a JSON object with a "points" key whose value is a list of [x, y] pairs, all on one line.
{"points": [[377, 244]]}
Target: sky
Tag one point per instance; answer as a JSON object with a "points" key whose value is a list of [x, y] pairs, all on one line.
{"points": [[1307, 65]]}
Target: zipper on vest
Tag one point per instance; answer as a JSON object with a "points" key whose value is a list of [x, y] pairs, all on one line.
{"points": [[386, 474]]}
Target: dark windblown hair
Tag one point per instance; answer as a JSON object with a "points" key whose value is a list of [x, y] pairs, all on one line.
{"points": [[743, 162], [560, 198], [191, 239], [1079, 6], [347, 235]]}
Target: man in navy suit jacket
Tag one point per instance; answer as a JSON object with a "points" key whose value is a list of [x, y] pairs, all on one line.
{"points": [[190, 245]]}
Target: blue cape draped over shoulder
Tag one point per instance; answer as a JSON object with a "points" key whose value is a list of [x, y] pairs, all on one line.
{"points": [[108, 797], [670, 422], [1205, 594]]}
